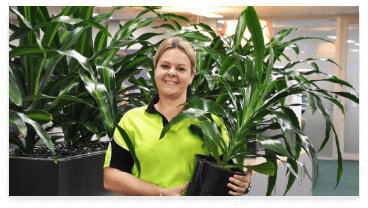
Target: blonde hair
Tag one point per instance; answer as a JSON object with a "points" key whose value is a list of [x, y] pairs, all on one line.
{"points": [[180, 43]]}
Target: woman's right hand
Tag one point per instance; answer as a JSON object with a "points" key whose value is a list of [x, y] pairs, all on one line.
{"points": [[176, 191]]}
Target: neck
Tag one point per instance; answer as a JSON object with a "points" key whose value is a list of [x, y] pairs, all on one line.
{"points": [[170, 107]]}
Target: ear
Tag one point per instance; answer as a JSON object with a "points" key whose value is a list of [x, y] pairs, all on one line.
{"points": [[192, 76]]}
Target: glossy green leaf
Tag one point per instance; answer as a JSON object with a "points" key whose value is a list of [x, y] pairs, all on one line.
{"points": [[15, 119], [100, 94], [255, 30], [176, 16], [348, 95], [240, 28], [228, 63], [129, 143], [266, 168], [38, 115], [213, 135], [272, 178], [287, 130], [207, 76], [165, 26], [107, 77], [15, 94], [274, 145], [40, 131], [339, 158], [34, 50]]}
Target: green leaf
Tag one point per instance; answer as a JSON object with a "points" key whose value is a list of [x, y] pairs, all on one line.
{"points": [[15, 119], [38, 115], [240, 28], [348, 95], [162, 17], [130, 147], [266, 168], [255, 30], [228, 63], [207, 76], [287, 130], [176, 16], [273, 145], [60, 97], [100, 94], [271, 178], [339, 158], [213, 135], [34, 50], [40, 131], [165, 26], [15, 94]]}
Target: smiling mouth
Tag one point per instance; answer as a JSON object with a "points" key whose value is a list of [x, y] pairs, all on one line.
{"points": [[168, 82]]}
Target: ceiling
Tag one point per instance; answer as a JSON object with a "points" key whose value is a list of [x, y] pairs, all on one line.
{"points": [[229, 12]]}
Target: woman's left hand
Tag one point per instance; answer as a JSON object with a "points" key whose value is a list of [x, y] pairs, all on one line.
{"points": [[241, 183]]}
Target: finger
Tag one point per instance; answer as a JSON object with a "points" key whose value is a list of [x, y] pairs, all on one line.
{"points": [[185, 186], [242, 179], [236, 181], [249, 171], [234, 193], [236, 188]]}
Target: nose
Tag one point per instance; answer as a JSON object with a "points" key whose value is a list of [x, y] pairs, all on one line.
{"points": [[172, 72]]}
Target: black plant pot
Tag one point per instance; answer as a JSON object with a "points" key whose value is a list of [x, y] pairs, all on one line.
{"points": [[80, 175], [210, 179]]}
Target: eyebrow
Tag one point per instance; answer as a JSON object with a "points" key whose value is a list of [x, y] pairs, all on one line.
{"points": [[178, 64]]}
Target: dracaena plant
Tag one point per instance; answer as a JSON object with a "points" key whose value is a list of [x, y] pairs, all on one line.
{"points": [[67, 76], [255, 102]]}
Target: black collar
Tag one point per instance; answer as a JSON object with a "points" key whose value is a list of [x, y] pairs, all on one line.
{"points": [[151, 109]]}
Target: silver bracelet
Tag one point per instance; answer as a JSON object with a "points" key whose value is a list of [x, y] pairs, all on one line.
{"points": [[248, 189], [161, 192]]}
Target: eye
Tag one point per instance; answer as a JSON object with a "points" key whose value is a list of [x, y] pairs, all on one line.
{"points": [[181, 69], [165, 66]]}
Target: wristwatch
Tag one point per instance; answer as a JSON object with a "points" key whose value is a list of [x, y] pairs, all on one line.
{"points": [[248, 189]]}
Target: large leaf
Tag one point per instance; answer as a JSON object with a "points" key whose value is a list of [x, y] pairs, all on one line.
{"points": [[129, 143], [228, 63], [100, 94], [40, 131], [240, 28], [212, 134], [15, 94], [287, 130], [255, 30], [38, 115], [339, 158], [266, 168], [15, 119]]}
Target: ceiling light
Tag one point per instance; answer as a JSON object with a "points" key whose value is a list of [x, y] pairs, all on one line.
{"points": [[354, 50], [206, 14], [357, 44], [221, 21], [331, 37], [304, 70], [351, 41]]}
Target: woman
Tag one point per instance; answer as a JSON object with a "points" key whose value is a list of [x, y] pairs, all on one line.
{"points": [[167, 164]]}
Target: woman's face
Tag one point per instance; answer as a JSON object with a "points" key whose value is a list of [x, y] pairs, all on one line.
{"points": [[173, 73]]}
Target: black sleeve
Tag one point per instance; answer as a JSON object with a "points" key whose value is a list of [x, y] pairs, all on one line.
{"points": [[121, 158]]}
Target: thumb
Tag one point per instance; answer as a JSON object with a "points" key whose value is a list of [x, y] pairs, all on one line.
{"points": [[185, 186], [249, 171]]}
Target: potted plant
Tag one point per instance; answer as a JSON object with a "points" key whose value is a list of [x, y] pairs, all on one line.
{"points": [[60, 78], [259, 102]]}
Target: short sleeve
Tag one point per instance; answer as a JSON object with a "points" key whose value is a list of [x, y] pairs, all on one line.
{"points": [[118, 155]]}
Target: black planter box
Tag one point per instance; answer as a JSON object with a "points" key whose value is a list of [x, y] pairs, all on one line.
{"points": [[210, 179], [80, 175]]}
